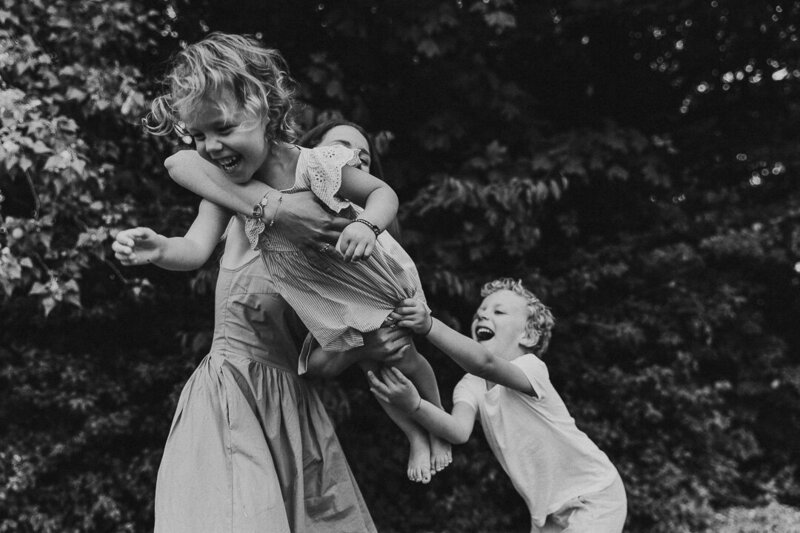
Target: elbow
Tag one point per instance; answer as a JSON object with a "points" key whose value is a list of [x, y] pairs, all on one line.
{"points": [[174, 160], [394, 199], [177, 161], [320, 365]]}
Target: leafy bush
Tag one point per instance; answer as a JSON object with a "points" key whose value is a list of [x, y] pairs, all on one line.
{"points": [[632, 162]]}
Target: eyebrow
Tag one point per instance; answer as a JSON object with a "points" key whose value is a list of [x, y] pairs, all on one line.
{"points": [[216, 124]]}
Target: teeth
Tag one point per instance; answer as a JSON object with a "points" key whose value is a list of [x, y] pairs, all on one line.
{"points": [[483, 333], [228, 163]]}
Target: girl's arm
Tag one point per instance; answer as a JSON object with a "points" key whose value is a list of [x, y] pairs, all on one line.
{"points": [[300, 216], [378, 199], [380, 208], [395, 389], [143, 245], [467, 353]]}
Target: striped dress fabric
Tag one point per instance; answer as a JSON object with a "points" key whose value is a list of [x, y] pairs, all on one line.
{"points": [[337, 301]]}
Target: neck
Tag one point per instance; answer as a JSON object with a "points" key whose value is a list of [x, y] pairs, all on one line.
{"points": [[278, 167]]}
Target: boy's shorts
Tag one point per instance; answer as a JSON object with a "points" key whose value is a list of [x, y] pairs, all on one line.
{"points": [[603, 511]]}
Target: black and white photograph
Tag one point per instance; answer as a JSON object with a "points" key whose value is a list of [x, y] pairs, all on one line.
{"points": [[443, 266]]}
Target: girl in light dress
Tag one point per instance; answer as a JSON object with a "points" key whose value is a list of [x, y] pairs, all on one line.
{"points": [[234, 97]]}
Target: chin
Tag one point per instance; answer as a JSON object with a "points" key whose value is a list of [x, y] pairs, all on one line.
{"points": [[237, 178]]}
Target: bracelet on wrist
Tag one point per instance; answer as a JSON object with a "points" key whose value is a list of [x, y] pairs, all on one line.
{"points": [[429, 327], [261, 206], [375, 229], [260, 209], [275, 216]]}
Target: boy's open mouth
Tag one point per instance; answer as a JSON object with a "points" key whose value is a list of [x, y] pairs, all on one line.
{"points": [[229, 164], [483, 333]]}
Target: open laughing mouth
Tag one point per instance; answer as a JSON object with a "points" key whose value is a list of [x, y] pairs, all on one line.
{"points": [[229, 164], [482, 333]]}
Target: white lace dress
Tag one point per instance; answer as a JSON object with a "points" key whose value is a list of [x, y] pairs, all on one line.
{"points": [[337, 301]]}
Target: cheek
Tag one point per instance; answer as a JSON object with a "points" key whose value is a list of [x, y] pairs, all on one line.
{"points": [[201, 149]]}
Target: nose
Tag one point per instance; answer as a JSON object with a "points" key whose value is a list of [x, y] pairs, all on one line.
{"points": [[211, 144], [480, 313]]}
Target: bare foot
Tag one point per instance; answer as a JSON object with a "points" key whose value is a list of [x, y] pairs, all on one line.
{"points": [[419, 459], [441, 454]]}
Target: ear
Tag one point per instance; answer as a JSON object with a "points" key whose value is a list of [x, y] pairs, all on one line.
{"points": [[529, 339]]}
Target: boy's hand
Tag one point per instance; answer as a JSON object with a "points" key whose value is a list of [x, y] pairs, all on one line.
{"points": [[138, 246], [395, 389], [414, 315], [356, 242]]}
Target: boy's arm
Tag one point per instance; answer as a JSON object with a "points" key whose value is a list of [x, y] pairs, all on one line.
{"points": [[477, 360], [467, 353], [299, 215], [395, 389]]}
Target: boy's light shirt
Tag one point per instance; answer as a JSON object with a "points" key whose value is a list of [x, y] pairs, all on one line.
{"points": [[549, 460]]}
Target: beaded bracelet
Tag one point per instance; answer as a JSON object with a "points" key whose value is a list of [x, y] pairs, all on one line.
{"points": [[375, 229]]}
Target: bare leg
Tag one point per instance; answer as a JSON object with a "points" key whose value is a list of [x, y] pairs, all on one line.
{"points": [[419, 455], [420, 372]]}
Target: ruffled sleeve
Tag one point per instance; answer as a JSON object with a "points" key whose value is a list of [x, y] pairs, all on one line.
{"points": [[323, 173], [253, 228]]}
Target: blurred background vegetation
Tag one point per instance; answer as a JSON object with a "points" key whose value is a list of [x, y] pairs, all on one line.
{"points": [[635, 163]]}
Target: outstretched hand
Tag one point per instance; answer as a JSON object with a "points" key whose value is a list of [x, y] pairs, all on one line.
{"points": [[137, 246], [414, 315], [395, 389]]}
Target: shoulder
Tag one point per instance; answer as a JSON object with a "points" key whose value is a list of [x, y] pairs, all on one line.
{"points": [[529, 360], [469, 389], [334, 154], [536, 371]]}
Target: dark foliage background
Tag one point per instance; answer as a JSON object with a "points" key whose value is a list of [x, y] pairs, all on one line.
{"points": [[634, 162]]}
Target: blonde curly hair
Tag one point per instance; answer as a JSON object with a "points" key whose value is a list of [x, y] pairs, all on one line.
{"points": [[254, 76], [540, 320]]}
